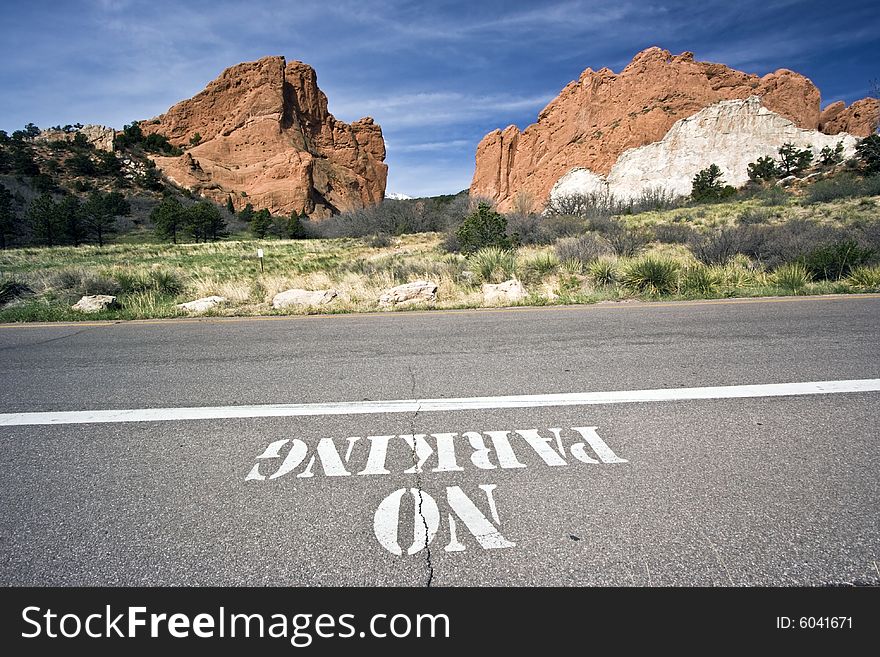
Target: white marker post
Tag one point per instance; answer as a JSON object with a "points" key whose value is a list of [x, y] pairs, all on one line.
{"points": [[260, 256]]}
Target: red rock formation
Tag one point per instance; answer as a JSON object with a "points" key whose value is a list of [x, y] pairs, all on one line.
{"points": [[266, 138], [603, 114], [860, 118]]}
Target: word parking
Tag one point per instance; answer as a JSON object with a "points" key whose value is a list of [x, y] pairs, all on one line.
{"points": [[417, 454]]}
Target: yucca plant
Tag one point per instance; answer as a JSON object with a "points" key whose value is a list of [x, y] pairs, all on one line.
{"points": [[651, 275], [793, 277], [865, 278], [603, 272], [542, 264], [493, 264], [701, 280]]}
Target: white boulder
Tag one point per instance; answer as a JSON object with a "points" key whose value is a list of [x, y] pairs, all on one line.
{"points": [[507, 292], [93, 303], [298, 297], [201, 305], [409, 293]]}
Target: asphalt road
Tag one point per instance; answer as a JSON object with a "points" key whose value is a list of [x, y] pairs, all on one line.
{"points": [[760, 490]]}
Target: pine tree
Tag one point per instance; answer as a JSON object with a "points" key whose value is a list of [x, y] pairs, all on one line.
{"points": [[168, 218], [9, 224], [793, 160], [260, 223], [45, 220]]}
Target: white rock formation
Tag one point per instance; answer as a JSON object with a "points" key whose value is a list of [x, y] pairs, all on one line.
{"points": [[298, 297], [99, 136], [93, 303], [409, 293], [507, 292], [731, 134], [201, 305]]}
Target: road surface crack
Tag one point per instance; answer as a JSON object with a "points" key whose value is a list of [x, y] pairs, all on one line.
{"points": [[417, 471]]}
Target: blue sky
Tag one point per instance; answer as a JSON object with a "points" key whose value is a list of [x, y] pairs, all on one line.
{"points": [[436, 75]]}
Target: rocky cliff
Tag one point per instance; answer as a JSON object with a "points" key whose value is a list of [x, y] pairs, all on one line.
{"points": [[261, 134], [596, 119]]}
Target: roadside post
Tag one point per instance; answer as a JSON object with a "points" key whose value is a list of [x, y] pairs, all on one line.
{"points": [[260, 256]]}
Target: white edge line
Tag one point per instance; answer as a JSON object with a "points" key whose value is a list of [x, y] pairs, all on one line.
{"points": [[429, 405]]}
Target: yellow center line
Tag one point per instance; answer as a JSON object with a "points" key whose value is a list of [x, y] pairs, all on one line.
{"points": [[449, 311]]}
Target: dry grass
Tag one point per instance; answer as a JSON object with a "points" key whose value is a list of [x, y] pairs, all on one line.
{"points": [[150, 279]]}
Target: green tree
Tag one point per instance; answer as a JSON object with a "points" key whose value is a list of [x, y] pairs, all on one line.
{"points": [[45, 219], [72, 220], [9, 225], [296, 229], [23, 161], [247, 213], [31, 130], [793, 160], [708, 185], [108, 164], [195, 140], [81, 164], [100, 212], [151, 179], [483, 227], [260, 223], [230, 207], [868, 152], [169, 218], [831, 156], [764, 168], [205, 222]]}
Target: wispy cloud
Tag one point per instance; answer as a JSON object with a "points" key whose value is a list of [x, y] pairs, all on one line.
{"points": [[440, 108]]}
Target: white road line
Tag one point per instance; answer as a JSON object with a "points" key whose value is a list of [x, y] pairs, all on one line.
{"points": [[429, 405]]}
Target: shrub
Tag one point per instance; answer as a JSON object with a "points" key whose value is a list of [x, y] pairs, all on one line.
{"points": [[793, 277], [626, 242], [71, 284], [525, 229], [584, 249], [483, 228], [586, 205], [673, 233], [716, 247], [837, 260], [844, 185], [158, 281], [603, 272], [653, 199], [753, 216], [11, 289], [865, 278], [778, 244], [651, 275], [493, 264]]}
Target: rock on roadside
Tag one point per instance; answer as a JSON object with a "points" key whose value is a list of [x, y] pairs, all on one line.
{"points": [[409, 293], [298, 297], [507, 292], [201, 305], [93, 303]]}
